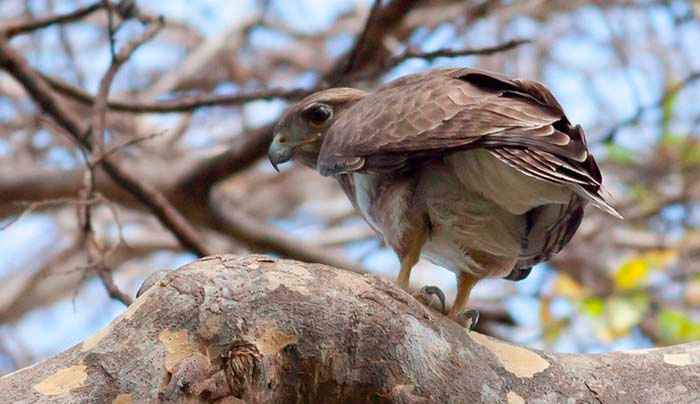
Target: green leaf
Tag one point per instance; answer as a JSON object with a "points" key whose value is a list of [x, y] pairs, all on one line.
{"points": [[620, 154], [667, 109], [690, 153], [675, 326], [593, 306], [673, 141]]}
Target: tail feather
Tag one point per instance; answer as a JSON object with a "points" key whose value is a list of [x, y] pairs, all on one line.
{"points": [[598, 200]]}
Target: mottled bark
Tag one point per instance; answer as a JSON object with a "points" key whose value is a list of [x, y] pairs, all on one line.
{"points": [[229, 328]]}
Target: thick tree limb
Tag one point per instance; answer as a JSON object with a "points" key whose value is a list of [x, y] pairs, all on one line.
{"points": [[260, 330], [244, 151], [369, 45]]}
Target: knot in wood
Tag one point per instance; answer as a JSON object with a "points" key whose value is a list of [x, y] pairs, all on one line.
{"points": [[242, 366]]}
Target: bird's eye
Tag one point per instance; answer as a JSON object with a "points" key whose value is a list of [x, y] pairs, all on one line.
{"points": [[317, 114]]}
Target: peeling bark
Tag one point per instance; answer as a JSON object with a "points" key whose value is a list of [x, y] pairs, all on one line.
{"points": [[253, 329]]}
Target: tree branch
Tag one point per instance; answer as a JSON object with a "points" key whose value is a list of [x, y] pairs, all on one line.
{"points": [[261, 330], [181, 104], [96, 253], [260, 237], [362, 39], [245, 150], [62, 274], [23, 27], [451, 53], [369, 45], [667, 95], [440, 53], [16, 66]]}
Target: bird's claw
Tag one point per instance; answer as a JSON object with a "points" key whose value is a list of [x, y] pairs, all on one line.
{"points": [[468, 318], [430, 296]]}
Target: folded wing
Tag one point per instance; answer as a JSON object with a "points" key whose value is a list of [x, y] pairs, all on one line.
{"points": [[425, 116]]}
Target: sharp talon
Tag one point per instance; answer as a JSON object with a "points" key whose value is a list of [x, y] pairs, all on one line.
{"points": [[427, 295], [435, 291], [468, 318]]}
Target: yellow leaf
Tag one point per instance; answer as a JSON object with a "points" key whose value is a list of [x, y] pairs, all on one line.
{"points": [[545, 315], [632, 273], [567, 286], [553, 330], [661, 258]]}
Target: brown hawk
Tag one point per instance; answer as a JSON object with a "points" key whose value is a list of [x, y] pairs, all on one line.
{"points": [[481, 174]]}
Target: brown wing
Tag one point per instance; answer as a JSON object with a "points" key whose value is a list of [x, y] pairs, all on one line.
{"points": [[429, 115], [433, 112]]}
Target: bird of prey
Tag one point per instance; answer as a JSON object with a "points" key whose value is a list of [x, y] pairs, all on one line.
{"points": [[480, 173]]}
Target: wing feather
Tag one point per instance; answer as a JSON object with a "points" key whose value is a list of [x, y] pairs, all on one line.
{"points": [[430, 115], [559, 224]]}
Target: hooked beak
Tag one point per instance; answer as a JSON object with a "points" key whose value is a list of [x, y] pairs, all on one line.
{"points": [[279, 153]]}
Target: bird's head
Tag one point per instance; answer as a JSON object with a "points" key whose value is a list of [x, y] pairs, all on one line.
{"points": [[299, 133]]}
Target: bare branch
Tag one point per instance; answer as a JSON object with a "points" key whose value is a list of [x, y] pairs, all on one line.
{"points": [[267, 238], [451, 53], [247, 148], [668, 94], [181, 104], [369, 45], [361, 41], [100, 105], [24, 27], [151, 197], [105, 275], [96, 253], [440, 53]]}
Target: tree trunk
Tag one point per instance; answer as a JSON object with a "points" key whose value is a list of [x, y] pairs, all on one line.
{"points": [[254, 329]]}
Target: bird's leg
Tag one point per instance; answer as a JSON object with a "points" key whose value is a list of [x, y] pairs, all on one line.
{"points": [[427, 294], [467, 318], [409, 255], [404, 278]]}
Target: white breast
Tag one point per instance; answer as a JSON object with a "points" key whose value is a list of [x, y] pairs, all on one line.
{"points": [[514, 191], [365, 187], [464, 221]]}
